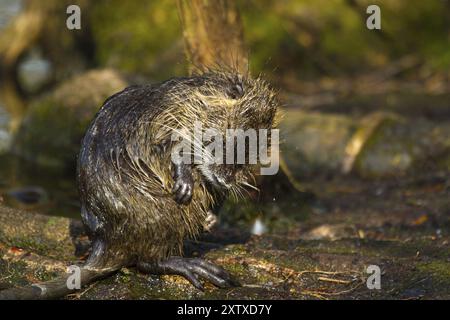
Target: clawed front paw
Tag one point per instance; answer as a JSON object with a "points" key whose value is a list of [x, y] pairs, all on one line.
{"points": [[210, 221], [183, 190]]}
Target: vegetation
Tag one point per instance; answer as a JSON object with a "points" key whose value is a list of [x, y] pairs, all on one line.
{"points": [[365, 155]]}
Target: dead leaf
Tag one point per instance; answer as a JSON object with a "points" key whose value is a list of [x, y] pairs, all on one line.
{"points": [[420, 220]]}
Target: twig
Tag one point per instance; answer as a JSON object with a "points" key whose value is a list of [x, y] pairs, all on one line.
{"points": [[334, 280]]}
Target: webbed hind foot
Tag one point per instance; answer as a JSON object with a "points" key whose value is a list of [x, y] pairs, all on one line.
{"points": [[193, 269]]}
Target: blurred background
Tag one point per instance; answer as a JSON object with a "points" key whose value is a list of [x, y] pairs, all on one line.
{"points": [[366, 129], [365, 150]]}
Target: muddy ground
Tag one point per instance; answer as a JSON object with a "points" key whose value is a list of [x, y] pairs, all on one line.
{"points": [[400, 225]]}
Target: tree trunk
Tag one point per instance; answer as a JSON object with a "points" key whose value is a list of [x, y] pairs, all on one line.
{"points": [[213, 34]]}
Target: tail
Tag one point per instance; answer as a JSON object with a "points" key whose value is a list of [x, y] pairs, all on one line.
{"points": [[53, 289], [59, 287]]}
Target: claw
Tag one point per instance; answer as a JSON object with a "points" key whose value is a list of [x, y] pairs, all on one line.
{"points": [[192, 269], [210, 276], [184, 185], [183, 192], [192, 278], [210, 221], [220, 272]]}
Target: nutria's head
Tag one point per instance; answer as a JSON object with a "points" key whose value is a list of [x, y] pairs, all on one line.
{"points": [[221, 101]]}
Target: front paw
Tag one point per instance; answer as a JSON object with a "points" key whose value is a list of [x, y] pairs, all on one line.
{"points": [[210, 221], [183, 190]]}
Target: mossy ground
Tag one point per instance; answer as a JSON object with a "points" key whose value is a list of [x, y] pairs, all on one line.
{"points": [[402, 226]]}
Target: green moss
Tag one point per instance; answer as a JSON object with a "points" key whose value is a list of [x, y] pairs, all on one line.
{"points": [[439, 270], [41, 274], [312, 36], [50, 130], [55, 124], [139, 37], [28, 243], [52, 221], [13, 273]]}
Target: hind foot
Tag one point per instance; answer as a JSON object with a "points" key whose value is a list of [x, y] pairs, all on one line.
{"points": [[192, 269]]}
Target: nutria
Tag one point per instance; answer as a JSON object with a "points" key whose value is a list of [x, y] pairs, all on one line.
{"points": [[136, 203]]}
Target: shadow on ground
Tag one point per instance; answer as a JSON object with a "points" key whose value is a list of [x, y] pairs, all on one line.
{"points": [[402, 226]]}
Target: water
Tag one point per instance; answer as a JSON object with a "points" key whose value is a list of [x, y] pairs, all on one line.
{"points": [[5, 137], [8, 9], [51, 191]]}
